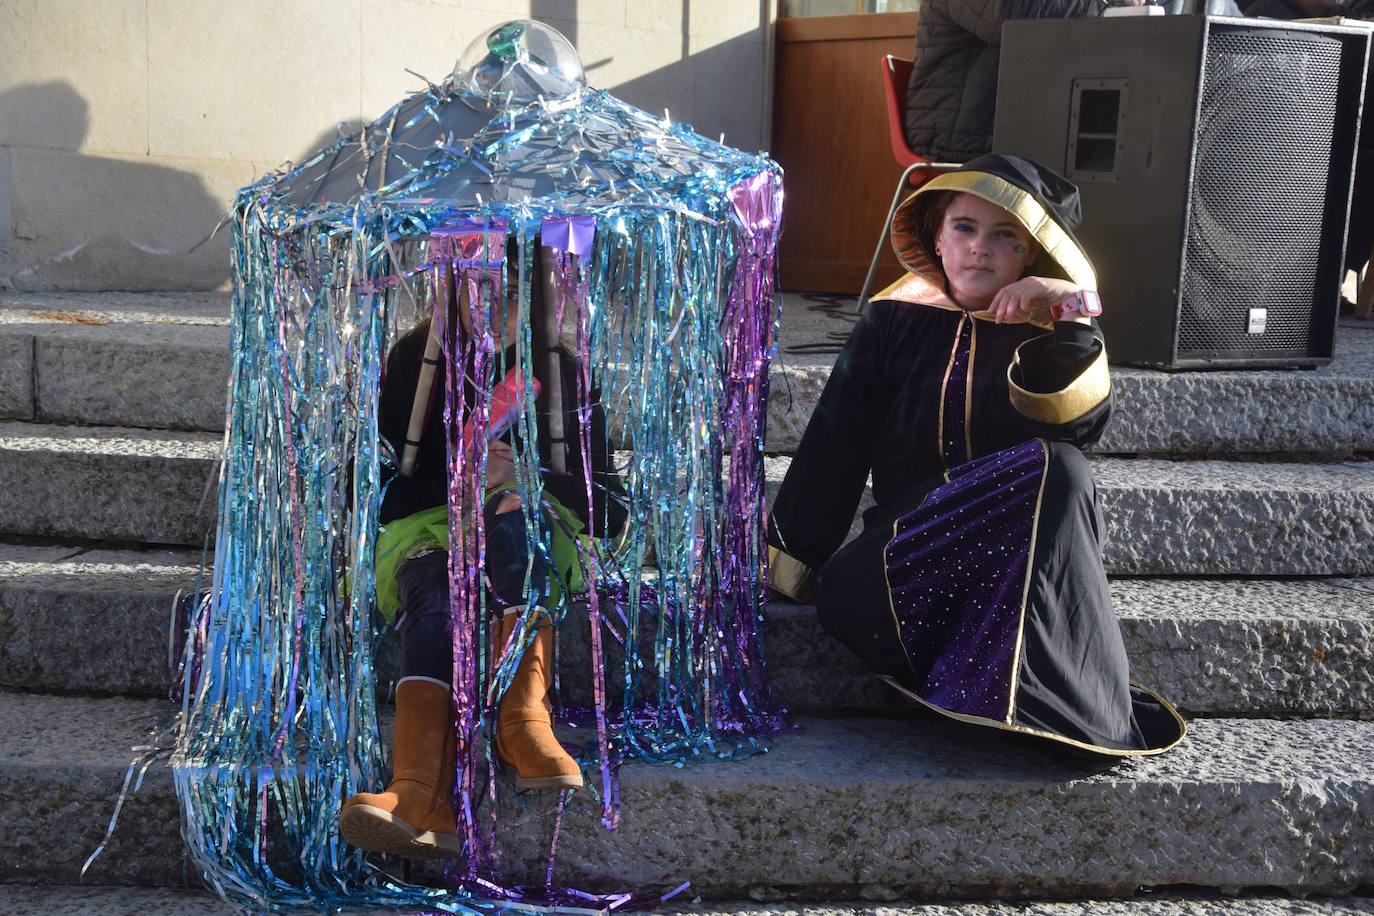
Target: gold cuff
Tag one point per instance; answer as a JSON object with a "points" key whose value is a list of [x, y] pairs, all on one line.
{"points": [[789, 576], [1056, 408]]}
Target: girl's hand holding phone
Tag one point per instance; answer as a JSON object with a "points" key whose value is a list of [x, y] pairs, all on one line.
{"points": [[1019, 301]]}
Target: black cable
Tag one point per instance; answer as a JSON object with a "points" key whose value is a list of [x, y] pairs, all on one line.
{"points": [[842, 307]]}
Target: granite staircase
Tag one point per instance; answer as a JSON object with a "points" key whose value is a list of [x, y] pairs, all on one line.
{"points": [[1241, 544]]}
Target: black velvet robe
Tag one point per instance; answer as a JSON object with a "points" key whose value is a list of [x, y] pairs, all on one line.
{"points": [[977, 586]]}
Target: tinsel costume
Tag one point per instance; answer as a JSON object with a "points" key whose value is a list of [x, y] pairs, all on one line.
{"points": [[977, 586], [413, 817], [654, 251]]}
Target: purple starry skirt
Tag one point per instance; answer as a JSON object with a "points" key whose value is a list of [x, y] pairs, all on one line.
{"points": [[985, 599]]}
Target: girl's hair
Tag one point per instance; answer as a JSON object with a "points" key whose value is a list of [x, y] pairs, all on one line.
{"points": [[932, 218]]}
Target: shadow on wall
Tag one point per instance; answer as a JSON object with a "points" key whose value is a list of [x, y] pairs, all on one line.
{"points": [[722, 87], [85, 222], [329, 137], [75, 220], [70, 220], [719, 89], [561, 14]]}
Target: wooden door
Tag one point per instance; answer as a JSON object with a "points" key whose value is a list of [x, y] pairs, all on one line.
{"points": [[830, 135]]}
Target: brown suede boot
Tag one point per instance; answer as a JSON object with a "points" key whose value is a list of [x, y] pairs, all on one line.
{"points": [[524, 725], [413, 817]]}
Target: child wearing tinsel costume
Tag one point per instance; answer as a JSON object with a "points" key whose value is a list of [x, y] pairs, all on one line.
{"points": [[413, 817], [966, 390]]}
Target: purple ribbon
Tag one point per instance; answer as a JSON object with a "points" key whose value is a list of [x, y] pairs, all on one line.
{"points": [[756, 204], [571, 234]]}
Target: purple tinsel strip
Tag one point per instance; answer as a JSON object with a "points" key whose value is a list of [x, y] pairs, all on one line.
{"points": [[472, 255], [469, 242], [557, 832], [749, 345], [570, 238]]}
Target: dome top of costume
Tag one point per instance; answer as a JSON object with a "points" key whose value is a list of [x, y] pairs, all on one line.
{"points": [[518, 63], [514, 131]]}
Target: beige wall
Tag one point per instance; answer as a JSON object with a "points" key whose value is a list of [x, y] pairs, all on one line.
{"points": [[127, 125]]}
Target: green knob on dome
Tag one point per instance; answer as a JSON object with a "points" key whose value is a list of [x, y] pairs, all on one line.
{"points": [[502, 41]]}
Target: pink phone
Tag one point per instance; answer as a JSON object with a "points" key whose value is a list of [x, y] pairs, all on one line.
{"points": [[507, 403]]}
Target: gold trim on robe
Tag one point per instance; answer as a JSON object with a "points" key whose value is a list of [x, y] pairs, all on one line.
{"points": [[944, 388], [1041, 733], [919, 289], [968, 391], [1025, 585], [789, 576], [1056, 408]]}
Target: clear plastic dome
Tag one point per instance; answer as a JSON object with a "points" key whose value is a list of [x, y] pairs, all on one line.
{"points": [[518, 62]]}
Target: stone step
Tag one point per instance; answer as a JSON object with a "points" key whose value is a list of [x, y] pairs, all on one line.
{"points": [[81, 620], [32, 900], [1213, 647], [1216, 647], [1163, 517], [36, 900], [157, 360], [107, 483], [160, 360], [1238, 518], [840, 808], [1329, 410]]}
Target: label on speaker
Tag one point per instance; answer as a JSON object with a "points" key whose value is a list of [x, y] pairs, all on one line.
{"points": [[1257, 320]]}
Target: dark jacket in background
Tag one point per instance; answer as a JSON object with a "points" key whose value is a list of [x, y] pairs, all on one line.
{"points": [[953, 89]]}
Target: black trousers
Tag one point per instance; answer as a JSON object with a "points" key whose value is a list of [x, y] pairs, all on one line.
{"points": [[422, 584]]}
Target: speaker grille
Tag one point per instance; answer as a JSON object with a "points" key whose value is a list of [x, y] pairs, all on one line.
{"points": [[1260, 175]]}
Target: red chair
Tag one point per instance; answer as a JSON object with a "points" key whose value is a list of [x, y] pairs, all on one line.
{"points": [[896, 75]]}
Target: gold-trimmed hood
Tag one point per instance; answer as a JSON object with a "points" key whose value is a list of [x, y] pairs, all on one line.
{"points": [[1040, 200]]}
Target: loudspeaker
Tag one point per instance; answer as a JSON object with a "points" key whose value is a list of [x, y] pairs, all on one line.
{"points": [[1215, 158]]}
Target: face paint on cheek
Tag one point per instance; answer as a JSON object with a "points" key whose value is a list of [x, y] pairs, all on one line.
{"points": [[1019, 248]]}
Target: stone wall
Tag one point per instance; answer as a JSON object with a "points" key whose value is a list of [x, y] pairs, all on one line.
{"points": [[127, 125]]}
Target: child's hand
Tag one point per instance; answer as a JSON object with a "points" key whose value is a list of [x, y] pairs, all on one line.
{"points": [[1017, 302], [500, 464], [501, 471]]}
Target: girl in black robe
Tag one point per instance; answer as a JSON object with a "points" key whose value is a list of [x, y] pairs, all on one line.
{"points": [[977, 586]]}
